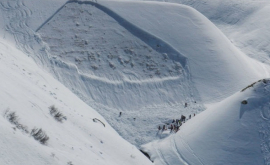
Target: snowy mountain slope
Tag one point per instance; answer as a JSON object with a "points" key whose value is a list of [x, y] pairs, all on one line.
{"points": [[225, 12], [252, 36], [93, 50], [37, 11], [115, 62], [228, 132], [129, 57], [244, 22], [110, 53], [28, 91], [113, 70], [213, 61], [27, 14]]}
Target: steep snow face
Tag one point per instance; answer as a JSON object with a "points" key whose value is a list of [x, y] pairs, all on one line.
{"points": [[115, 66], [88, 37], [216, 66], [164, 85], [228, 132], [28, 91]]}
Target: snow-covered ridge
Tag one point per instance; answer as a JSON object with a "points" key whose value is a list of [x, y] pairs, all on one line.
{"points": [[244, 22], [208, 51], [234, 131]]}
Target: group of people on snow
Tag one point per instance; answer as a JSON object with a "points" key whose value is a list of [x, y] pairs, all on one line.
{"points": [[175, 124]]}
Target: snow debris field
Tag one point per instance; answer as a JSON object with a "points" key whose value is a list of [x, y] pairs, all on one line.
{"points": [[93, 82]]}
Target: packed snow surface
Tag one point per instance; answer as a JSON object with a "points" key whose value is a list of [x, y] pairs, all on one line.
{"points": [[228, 132]]}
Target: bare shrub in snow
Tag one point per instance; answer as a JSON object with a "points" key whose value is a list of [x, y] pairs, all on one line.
{"points": [[57, 115], [40, 135], [23, 128], [14, 119]]}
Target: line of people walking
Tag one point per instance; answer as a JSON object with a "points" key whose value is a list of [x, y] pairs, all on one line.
{"points": [[175, 125]]}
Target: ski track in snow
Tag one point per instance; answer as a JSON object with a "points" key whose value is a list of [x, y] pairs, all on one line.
{"points": [[159, 153], [264, 125], [166, 154], [17, 15], [176, 151], [187, 147]]}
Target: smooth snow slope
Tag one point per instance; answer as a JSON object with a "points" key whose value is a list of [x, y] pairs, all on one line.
{"points": [[217, 67], [28, 91], [226, 133], [252, 35], [244, 22]]}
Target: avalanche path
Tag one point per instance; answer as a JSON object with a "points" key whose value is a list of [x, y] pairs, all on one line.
{"points": [[128, 70]]}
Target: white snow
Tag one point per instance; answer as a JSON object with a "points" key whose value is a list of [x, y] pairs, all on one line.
{"points": [[28, 91], [117, 59], [146, 60], [227, 132], [115, 67], [214, 62], [244, 22]]}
